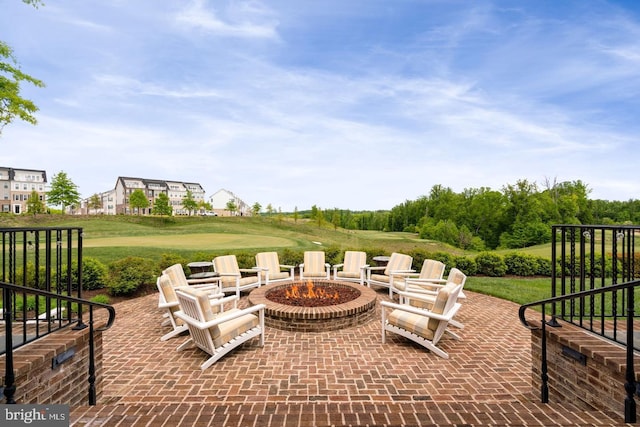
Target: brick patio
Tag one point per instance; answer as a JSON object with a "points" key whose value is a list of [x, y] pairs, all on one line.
{"points": [[337, 378]]}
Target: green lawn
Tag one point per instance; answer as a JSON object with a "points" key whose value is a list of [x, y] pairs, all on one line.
{"points": [[197, 238]]}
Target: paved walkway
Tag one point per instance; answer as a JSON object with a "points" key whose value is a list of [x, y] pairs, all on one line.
{"points": [[340, 378]]}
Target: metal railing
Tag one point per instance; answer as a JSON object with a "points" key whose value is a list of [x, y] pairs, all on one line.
{"points": [[9, 293], [41, 281], [593, 283], [591, 257], [48, 259]]}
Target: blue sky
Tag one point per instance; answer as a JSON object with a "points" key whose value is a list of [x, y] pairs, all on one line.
{"points": [[358, 104]]}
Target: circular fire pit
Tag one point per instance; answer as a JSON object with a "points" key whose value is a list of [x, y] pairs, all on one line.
{"points": [[295, 315]]}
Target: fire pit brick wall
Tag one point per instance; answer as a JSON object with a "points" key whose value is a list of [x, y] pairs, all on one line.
{"points": [[316, 319]]}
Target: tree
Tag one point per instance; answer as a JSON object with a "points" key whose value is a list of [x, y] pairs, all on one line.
{"points": [[161, 205], [95, 203], [296, 215], [12, 105], [34, 204], [231, 206], [317, 215], [335, 218], [205, 206], [63, 191], [189, 203], [256, 208], [138, 200], [269, 209]]}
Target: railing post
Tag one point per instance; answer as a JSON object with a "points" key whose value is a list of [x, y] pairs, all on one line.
{"points": [[9, 375], [80, 324], [92, 365], [554, 231], [630, 385], [544, 388]]}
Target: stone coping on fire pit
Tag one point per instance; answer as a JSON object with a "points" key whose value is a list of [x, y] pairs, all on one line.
{"points": [[316, 319]]}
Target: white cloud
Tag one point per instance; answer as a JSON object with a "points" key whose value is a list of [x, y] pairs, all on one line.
{"points": [[386, 99], [198, 14]]}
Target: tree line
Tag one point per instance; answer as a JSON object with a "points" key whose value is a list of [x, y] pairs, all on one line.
{"points": [[518, 216]]}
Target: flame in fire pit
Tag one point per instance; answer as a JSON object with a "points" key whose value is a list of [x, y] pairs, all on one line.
{"points": [[312, 292]]}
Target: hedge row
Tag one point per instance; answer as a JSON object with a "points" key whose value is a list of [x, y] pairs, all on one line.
{"points": [[128, 275]]}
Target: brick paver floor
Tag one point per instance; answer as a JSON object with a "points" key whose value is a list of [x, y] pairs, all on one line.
{"points": [[339, 378]]}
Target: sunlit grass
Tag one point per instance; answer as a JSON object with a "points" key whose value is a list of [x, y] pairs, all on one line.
{"points": [[518, 290]]}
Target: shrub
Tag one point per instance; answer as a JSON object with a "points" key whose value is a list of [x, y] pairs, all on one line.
{"points": [[491, 264], [466, 265], [94, 274], [543, 267], [290, 257], [129, 274], [27, 304], [246, 259], [167, 260], [419, 255], [333, 254], [444, 257], [30, 279], [520, 264], [372, 252], [101, 299]]}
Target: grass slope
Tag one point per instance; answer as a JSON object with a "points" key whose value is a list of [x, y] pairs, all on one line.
{"points": [[109, 238]]}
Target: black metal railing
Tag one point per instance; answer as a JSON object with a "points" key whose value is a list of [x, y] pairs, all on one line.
{"points": [[630, 385], [592, 285], [9, 292], [591, 257], [44, 258], [41, 281]]}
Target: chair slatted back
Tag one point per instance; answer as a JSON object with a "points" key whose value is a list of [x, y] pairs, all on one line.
{"points": [[354, 261], [432, 269], [314, 263], [194, 304], [226, 264], [176, 275], [398, 262], [268, 260]]}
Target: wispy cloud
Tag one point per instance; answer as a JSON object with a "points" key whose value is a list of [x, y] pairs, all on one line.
{"points": [[286, 103], [246, 20]]}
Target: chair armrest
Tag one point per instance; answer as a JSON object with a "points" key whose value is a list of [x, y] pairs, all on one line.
{"points": [[229, 274], [338, 265], [204, 280], [421, 291], [206, 286], [376, 268], [250, 270], [422, 312], [168, 304], [224, 300], [287, 266], [420, 296], [434, 282], [221, 318], [425, 284], [400, 272]]}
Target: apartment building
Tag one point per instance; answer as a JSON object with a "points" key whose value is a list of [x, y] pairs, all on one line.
{"points": [[219, 202], [116, 201], [17, 185]]}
